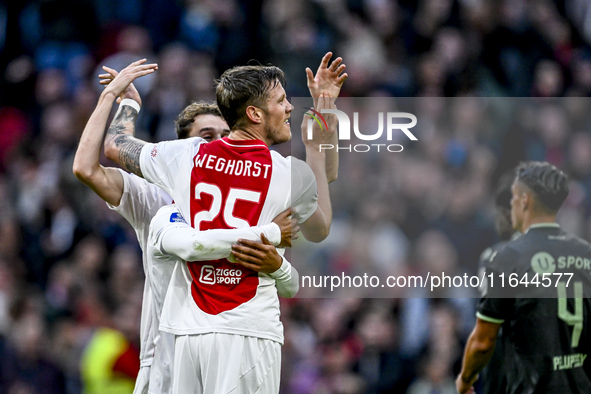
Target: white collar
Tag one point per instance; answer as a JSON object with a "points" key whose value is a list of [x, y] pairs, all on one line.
{"points": [[516, 235], [543, 225]]}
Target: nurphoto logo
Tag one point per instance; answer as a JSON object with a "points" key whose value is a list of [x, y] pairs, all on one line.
{"points": [[344, 130]]}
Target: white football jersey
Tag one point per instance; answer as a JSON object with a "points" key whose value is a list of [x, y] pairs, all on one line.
{"points": [[139, 203], [170, 238], [221, 185], [183, 241]]}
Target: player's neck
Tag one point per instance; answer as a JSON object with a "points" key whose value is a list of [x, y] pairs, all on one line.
{"points": [[530, 220], [247, 133]]}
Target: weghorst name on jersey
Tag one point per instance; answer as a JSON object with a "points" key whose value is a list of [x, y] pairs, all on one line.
{"points": [[232, 167]]}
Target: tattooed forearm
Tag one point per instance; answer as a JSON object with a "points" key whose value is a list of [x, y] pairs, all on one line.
{"points": [[120, 145], [116, 130], [124, 122], [129, 153]]}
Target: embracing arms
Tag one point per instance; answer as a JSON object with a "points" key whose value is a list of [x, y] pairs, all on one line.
{"points": [[250, 247]]}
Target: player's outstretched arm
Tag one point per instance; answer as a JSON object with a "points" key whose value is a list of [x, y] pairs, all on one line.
{"points": [[332, 155], [106, 182], [328, 136], [120, 144], [170, 234], [479, 350], [317, 226], [328, 80]]}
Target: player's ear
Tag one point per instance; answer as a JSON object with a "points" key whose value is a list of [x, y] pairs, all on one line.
{"points": [[527, 200], [254, 114]]}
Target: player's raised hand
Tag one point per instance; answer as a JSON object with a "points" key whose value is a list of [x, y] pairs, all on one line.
{"points": [[284, 222], [105, 79], [323, 127], [131, 92], [328, 79], [120, 82], [257, 256]]}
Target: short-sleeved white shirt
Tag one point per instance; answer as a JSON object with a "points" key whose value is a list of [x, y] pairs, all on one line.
{"points": [[139, 203]]}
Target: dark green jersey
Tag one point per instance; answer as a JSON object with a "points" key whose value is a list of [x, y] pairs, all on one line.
{"points": [[544, 310], [492, 379]]}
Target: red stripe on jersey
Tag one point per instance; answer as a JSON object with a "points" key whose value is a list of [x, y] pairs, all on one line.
{"points": [[229, 185], [128, 363]]}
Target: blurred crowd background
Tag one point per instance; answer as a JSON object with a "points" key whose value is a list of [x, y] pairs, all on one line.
{"points": [[70, 269]]}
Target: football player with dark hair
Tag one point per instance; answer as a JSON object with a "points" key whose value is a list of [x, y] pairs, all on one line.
{"points": [[546, 337]]}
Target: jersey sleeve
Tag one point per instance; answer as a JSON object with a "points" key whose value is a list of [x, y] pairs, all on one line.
{"points": [[140, 200], [304, 190], [485, 258], [483, 262], [170, 234], [160, 162], [287, 279], [497, 304]]}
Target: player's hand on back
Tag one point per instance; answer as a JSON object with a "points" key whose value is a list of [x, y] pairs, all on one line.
{"points": [[130, 93], [258, 256], [328, 79], [287, 227], [295, 229], [120, 83]]}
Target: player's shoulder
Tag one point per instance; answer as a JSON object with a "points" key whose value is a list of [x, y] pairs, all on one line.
{"points": [[575, 240], [299, 167], [190, 141], [553, 240], [278, 158], [525, 242], [168, 151], [165, 215], [195, 141], [490, 253], [504, 256], [574, 246], [289, 160], [178, 145]]}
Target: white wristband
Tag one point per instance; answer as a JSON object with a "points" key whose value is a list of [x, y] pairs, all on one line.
{"points": [[272, 232], [282, 270], [132, 103]]}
